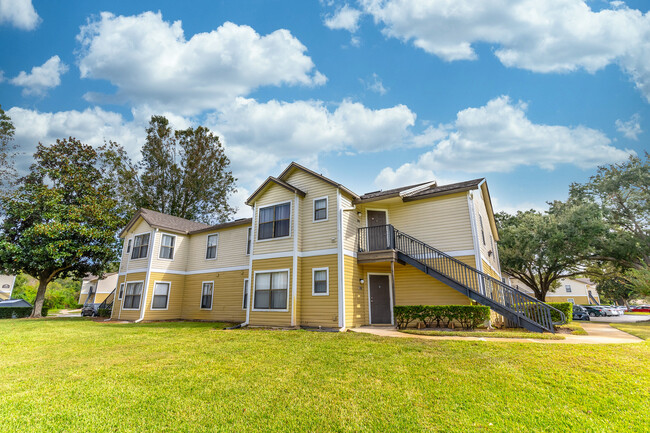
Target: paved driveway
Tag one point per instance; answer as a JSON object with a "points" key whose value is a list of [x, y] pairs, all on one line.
{"points": [[628, 318]]}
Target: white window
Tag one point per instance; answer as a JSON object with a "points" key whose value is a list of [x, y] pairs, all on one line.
{"points": [[320, 209], [140, 246], [271, 290], [274, 221], [249, 240], [244, 304], [211, 249], [120, 293], [567, 288], [167, 247], [206, 295], [160, 298], [320, 279], [132, 296]]}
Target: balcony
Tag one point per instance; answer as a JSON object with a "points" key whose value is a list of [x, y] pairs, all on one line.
{"points": [[376, 244]]}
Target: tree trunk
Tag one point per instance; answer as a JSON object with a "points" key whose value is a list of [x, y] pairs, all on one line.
{"points": [[40, 298]]}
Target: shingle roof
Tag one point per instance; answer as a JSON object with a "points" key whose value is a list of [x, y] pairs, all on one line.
{"points": [[278, 182], [432, 191], [163, 221], [238, 222], [320, 176], [14, 303]]}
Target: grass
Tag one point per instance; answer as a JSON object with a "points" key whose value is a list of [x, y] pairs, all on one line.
{"points": [[69, 375], [488, 334], [638, 329], [573, 328], [637, 313]]}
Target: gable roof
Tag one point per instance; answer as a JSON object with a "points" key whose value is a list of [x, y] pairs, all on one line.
{"points": [[277, 182], [433, 190], [237, 222], [320, 176], [163, 221], [8, 303]]}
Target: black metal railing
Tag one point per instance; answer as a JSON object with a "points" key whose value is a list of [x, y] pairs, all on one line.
{"points": [[108, 302], [519, 304]]}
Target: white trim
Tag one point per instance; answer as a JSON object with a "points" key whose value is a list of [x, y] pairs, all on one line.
{"points": [[376, 210], [291, 223], [492, 267], [246, 280], [300, 254], [472, 221], [160, 247], [327, 281], [327, 209], [339, 255], [141, 294], [146, 284], [121, 290], [133, 271], [13, 285], [250, 268], [216, 250], [270, 271], [390, 293], [153, 294], [294, 282], [211, 296], [350, 253]]}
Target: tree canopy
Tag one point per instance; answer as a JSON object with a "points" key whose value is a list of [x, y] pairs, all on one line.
{"points": [[7, 147], [62, 218], [184, 173]]}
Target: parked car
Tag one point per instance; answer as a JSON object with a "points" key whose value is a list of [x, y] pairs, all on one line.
{"points": [[580, 313], [88, 310], [612, 310], [640, 309], [595, 310]]}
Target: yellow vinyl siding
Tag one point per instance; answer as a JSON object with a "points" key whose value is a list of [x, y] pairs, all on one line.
{"points": [[318, 310], [274, 194], [272, 318], [231, 249], [138, 264], [175, 300], [227, 296], [351, 223], [315, 235], [488, 270], [181, 247], [356, 295], [578, 300], [129, 314], [99, 298], [481, 209]]}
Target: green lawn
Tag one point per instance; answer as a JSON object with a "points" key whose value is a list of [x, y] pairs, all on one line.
{"points": [[71, 375], [640, 329], [489, 334]]}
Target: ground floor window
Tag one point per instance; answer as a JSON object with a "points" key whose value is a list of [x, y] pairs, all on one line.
{"points": [[132, 296], [271, 290], [206, 296], [319, 281], [160, 296]]}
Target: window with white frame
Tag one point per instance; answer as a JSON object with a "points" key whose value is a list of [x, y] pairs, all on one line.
{"points": [[167, 247], [271, 290], [132, 296], [206, 295], [249, 240], [274, 221], [244, 304], [567, 288], [140, 246], [211, 249], [320, 278], [320, 209], [160, 298], [120, 293]]}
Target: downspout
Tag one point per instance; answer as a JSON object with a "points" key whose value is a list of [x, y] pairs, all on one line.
{"points": [[294, 279], [146, 280], [339, 236], [250, 270]]}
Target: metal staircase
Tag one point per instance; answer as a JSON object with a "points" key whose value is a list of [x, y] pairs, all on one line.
{"points": [[108, 302], [519, 308]]}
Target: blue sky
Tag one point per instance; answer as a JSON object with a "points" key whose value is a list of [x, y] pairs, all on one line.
{"points": [[373, 93]]}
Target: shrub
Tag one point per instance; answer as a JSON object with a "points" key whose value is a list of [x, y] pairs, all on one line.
{"points": [[469, 316], [104, 312], [15, 312], [565, 307]]}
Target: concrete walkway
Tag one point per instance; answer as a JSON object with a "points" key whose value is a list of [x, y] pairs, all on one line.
{"points": [[599, 333]]}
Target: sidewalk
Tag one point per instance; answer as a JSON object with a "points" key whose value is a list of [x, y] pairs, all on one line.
{"points": [[599, 333]]}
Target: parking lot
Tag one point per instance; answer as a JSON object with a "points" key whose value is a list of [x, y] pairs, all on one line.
{"points": [[628, 318]]}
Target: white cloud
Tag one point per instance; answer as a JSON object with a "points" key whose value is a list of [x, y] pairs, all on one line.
{"points": [[541, 36], [375, 85], [498, 137], [19, 13], [630, 129], [407, 174], [345, 18], [150, 61], [512, 208], [41, 78]]}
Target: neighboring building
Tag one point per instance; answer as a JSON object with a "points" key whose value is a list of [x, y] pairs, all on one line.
{"points": [[95, 290], [314, 254], [579, 291], [6, 286], [14, 303]]}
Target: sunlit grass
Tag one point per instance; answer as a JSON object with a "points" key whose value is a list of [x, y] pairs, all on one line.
{"points": [[638, 329]]}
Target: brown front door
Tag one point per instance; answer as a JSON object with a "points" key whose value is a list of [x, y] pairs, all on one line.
{"points": [[379, 299], [377, 233]]}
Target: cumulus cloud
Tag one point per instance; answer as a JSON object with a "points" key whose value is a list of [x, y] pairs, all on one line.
{"points": [[630, 129], [151, 62], [375, 85], [41, 78], [540, 36], [498, 137], [345, 18], [19, 13]]}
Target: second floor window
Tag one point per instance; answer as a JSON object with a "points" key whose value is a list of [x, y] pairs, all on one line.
{"points": [[274, 221], [140, 246], [568, 288], [320, 209], [211, 249], [167, 247]]}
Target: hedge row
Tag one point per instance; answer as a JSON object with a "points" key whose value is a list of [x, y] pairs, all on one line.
{"points": [[104, 312], [18, 312], [469, 316], [565, 307]]}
